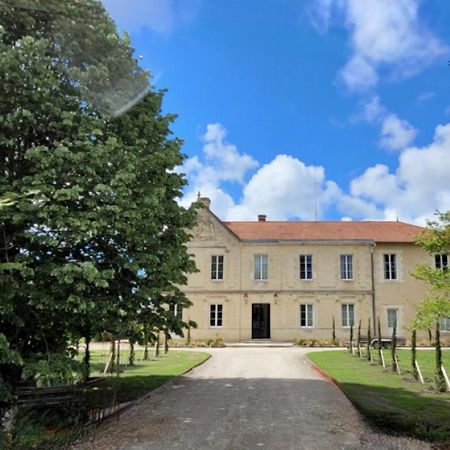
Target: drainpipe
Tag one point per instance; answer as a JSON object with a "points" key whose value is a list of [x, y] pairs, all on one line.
{"points": [[372, 273]]}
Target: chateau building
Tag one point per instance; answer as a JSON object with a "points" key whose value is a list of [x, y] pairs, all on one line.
{"points": [[282, 280]]}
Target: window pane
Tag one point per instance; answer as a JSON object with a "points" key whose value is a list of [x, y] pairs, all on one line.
{"points": [[392, 317], [444, 322], [344, 315]]}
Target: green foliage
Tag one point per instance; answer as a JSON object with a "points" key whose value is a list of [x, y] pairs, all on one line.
{"points": [[91, 235]]}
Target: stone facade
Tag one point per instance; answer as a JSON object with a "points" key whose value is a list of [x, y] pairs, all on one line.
{"points": [[284, 290]]}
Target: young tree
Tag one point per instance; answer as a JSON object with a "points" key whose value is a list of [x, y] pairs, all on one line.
{"points": [[333, 334], [351, 338], [369, 337], [380, 343], [413, 355], [394, 348], [436, 306], [358, 339]]}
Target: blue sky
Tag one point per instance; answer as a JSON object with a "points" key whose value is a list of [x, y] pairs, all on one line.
{"points": [[335, 109]]}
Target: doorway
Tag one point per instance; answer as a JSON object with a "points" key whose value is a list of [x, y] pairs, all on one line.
{"points": [[261, 321]]}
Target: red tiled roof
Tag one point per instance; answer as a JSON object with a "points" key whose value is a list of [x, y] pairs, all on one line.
{"points": [[299, 230]]}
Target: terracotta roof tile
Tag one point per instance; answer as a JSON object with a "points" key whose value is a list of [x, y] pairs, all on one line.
{"points": [[352, 230]]}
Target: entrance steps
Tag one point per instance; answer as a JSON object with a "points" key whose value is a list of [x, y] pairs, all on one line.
{"points": [[258, 343]]}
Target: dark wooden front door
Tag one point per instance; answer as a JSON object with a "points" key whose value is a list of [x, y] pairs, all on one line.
{"points": [[261, 321]]}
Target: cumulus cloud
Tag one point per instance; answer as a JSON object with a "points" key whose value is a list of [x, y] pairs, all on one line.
{"points": [[414, 191], [395, 133], [386, 37], [160, 16], [287, 188]]}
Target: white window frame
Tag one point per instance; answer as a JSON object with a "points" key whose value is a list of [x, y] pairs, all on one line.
{"points": [[444, 323], [307, 313], [215, 315], [396, 312], [217, 266], [306, 267], [261, 267], [441, 261], [390, 267], [346, 266], [347, 308]]}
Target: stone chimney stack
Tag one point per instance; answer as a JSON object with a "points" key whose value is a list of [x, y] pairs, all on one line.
{"points": [[205, 201], [262, 217]]}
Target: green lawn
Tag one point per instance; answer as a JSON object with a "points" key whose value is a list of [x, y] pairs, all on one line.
{"points": [[135, 381], [393, 402]]}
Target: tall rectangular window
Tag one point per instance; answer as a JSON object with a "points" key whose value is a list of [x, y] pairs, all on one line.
{"points": [[441, 261], [215, 315], [306, 267], [347, 267], [261, 267], [306, 316], [444, 323], [390, 267], [176, 310], [217, 267], [392, 316], [348, 314]]}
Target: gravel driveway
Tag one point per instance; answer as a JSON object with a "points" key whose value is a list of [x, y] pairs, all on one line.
{"points": [[245, 398]]}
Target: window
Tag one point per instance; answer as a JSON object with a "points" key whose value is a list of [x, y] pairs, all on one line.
{"points": [[176, 310], [261, 266], [347, 267], [441, 261], [215, 315], [306, 267], [390, 267], [444, 323], [392, 318], [306, 316], [348, 315], [217, 267]]}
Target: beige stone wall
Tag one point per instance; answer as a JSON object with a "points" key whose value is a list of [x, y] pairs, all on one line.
{"points": [[284, 290]]}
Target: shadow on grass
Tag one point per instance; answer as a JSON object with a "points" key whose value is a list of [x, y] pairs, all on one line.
{"points": [[401, 410]]}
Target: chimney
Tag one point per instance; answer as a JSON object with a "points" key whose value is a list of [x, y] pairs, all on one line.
{"points": [[261, 217], [205, 201]]}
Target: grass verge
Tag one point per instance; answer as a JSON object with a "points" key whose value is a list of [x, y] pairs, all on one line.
{"points": [[393, 402]]}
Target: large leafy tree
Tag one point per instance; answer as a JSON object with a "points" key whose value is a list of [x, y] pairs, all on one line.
{"points": [[91, 234]]}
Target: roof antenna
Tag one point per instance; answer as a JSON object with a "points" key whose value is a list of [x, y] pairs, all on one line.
{"points": [[315, 195]]}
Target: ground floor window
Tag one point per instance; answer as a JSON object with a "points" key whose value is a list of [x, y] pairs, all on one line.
{"points": [[444, 323], [306, 316], [348, 314], [215, 315], [176, 310]]}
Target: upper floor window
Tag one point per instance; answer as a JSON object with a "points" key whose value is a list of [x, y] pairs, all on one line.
{"points": [[348, 314], [176, 310], [306, 267], [217, 267], [306, 316], [347, 267], [441, 261], [444, 323], [261, 267], [215, 315], [390, 267]]}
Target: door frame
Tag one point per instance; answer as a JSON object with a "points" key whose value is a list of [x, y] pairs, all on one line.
{"points": [[265, 307]]}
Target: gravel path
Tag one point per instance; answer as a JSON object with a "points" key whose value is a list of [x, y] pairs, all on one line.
{"points": [[245, 398]]}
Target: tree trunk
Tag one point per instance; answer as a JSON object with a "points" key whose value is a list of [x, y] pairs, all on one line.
{"points": [[157, 345], [351, 338], [113, 355], [379, 342], [132, 354], [368, 342], [146, 351], [118, 358], [358, 342], [333, 336], [439, 376], [394, 347], [413, 355], [189, 336], [87, 358], [430, 336], [166, 342]]}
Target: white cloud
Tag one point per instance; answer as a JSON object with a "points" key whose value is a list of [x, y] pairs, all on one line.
{"points": [[386, 37], [287, 188], [160, 16], [418, 187], [396, 133], [425, 96]]}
